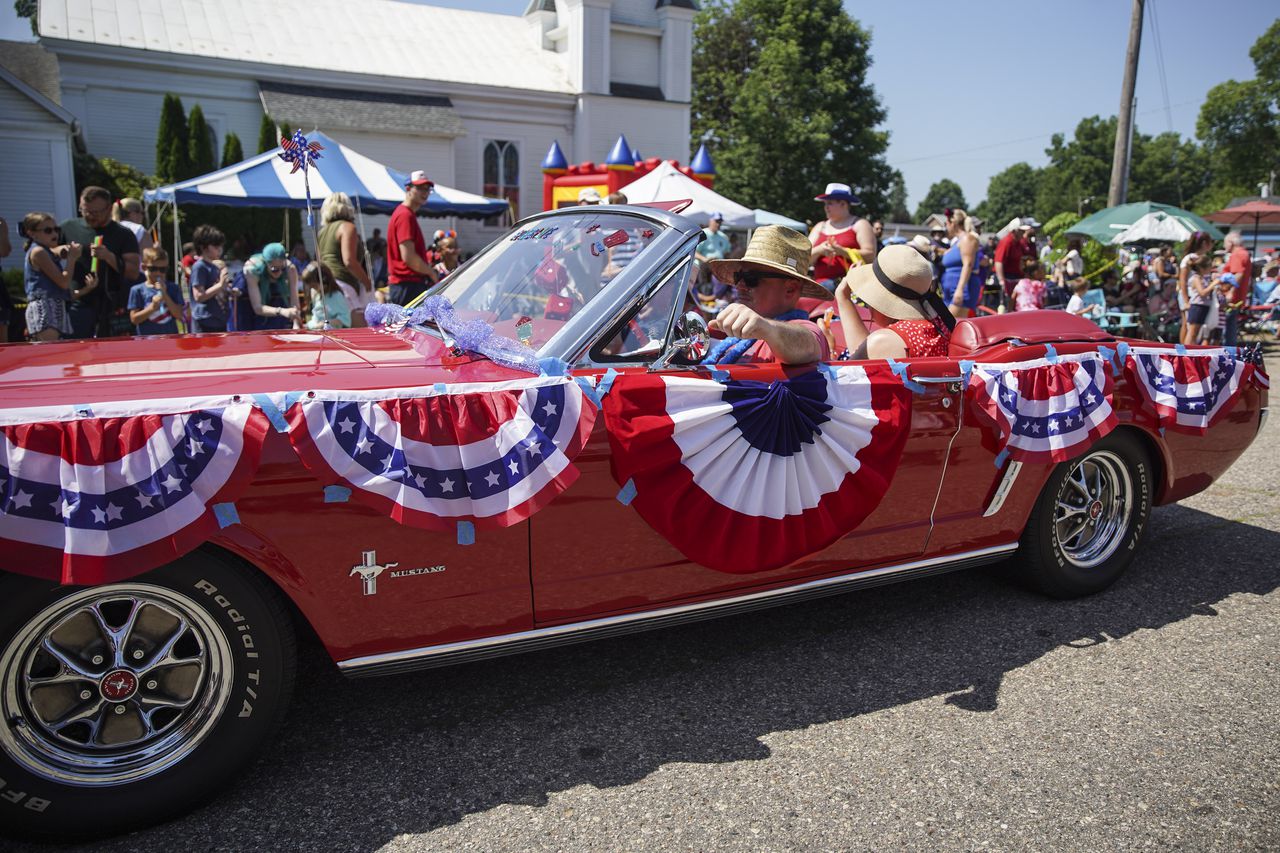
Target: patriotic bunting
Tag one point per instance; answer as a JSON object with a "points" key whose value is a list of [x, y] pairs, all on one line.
{"points": [[97, 499], [492, 454], [1044, 411], [745, 476], [1188, 393]]}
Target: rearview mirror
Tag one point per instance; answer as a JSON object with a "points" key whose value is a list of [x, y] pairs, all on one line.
{"points": [[689, 342]]}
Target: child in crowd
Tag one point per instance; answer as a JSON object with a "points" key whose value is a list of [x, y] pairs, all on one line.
{"points": [[324, 291], [47, 279], [155, 303], [1199, 291], [1028, 294], [1076, 305], [210, 281]]}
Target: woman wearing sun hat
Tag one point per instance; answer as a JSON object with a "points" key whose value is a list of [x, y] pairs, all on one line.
{"points": [[898, 288], [833, 237], [765, 324]]}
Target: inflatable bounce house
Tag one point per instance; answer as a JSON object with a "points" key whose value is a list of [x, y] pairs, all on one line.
{"points": [[562, 182]]}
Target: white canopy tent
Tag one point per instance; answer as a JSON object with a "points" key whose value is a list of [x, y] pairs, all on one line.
{"points": [[1157, 227], [666, 183]]}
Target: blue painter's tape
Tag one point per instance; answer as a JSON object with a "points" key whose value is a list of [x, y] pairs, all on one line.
{"points": [[1051, 353], [291, 398], [1108, 353], [966, 370], [1000, 460], [901, 370], [336, 494], [466, 533], [83, 410], [604, 383], [719, 375], [1162, 431], [553, 366], [226, 514], [439, 388], [1180, 349], [628, 493], [588, 390], [828, 371], [273, 414]]}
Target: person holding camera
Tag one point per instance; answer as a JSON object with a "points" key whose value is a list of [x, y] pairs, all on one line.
{"points": [[47, 277]]}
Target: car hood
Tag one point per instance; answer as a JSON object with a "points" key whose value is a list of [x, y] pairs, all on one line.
{"points": [[167, 366]]}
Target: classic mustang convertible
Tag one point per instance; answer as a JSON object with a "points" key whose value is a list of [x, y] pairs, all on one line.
{"points": [[533, 455]]}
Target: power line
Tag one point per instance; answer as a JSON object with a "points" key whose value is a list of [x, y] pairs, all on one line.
{"points": [[1164, 89], [1005, 142]]}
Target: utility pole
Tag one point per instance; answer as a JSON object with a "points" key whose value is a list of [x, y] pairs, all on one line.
{"points": [[1124, 119]]}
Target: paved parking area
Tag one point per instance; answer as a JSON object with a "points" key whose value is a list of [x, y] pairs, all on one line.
{"points": [[951, 713]]}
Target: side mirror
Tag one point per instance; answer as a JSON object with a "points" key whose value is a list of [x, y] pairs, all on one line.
{"points": [[690, 341]]}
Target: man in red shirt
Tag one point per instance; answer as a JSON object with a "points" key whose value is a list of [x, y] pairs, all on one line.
{"points": [[409, 273], [1240, 264], [1010, 251]]}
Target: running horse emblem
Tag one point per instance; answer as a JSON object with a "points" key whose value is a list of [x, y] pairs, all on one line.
{"points": [[369, 571]]}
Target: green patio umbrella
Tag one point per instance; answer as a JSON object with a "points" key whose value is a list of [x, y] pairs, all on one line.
{"points": [[1104, 225]]}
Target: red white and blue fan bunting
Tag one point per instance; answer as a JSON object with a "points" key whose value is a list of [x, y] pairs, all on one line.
{"points": [[96, 499], [1044, 411], [746, 476], [1187, 393], [490, 454]]}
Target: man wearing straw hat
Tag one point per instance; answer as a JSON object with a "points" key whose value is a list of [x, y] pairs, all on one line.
{"points": [[765, 324]]}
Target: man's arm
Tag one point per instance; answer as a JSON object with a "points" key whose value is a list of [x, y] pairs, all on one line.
{"points": [[409, 255], [792, 343]]}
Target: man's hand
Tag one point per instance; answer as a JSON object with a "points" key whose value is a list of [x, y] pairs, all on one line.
{"points": [[739, 321]]}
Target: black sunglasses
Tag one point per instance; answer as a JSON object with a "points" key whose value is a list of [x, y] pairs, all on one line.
{"points": [[749, 278], [45, 230], [156, 269]]}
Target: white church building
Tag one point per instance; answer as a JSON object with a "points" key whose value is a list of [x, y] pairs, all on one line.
{"points": [[475, 99]]}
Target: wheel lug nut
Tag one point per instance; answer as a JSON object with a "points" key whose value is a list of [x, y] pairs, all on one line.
{"points": [[152, 685], [97, 659], [120, 709], [137, 654], [85, 694]]}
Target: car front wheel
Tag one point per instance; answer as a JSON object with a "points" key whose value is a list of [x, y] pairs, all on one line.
{"points": [[1087, 523], [126, 703]]}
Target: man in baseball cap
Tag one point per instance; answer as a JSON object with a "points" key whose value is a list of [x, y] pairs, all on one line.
{"points": [[589, 195], [409, 273]]}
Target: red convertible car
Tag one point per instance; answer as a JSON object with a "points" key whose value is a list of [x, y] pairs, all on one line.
{"points": [[534, 455]]}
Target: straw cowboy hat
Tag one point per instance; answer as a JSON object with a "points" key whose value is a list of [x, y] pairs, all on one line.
{"points": [[776, 250], [898, 284]]}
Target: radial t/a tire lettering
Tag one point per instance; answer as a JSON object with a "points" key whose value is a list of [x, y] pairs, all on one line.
{"points": [[127, 703], [1086, 525]]}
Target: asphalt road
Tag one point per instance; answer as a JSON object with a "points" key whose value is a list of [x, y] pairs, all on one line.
{"points": [[951, 713]]}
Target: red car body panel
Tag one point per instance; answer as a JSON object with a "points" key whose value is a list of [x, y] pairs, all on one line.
{"points": [[585, 555]]}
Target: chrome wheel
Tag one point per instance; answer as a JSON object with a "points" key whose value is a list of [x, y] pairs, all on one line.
{"points": [[112, 684], [1093, 508]]}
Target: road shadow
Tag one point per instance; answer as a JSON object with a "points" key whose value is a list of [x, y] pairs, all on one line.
{"points": [[361, 762]]}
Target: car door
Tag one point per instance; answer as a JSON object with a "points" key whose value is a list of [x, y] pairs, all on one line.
{"points": [[592, 554]]}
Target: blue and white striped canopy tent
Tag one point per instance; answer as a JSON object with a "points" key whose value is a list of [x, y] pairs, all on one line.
{"points": [[265, 181]]}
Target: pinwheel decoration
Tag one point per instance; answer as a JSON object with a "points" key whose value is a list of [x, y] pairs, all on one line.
{"points": [[298, 151]]}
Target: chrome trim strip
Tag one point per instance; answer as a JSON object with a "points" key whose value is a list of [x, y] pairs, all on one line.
{"points": [[925, 380], [1002, 491], [486, 647], [1262, 417]]}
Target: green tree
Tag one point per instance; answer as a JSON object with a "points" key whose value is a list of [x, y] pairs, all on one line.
{"points": [[27, 9], [1079, 171], [1239, 127], [173, 162], [1168, 169], [267, 137], [1265, 54], [896, 203], [200, 143], [780, 87], [1010, 193], [942, 195], [232, 152]]}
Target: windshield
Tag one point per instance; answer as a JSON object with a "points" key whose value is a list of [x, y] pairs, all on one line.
{"points": [[532, 281]]}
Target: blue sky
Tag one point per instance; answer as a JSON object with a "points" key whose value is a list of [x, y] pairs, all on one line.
{"points": [[974, 87]]}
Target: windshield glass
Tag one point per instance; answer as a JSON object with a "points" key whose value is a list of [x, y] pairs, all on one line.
{"points": [[528, 284]]}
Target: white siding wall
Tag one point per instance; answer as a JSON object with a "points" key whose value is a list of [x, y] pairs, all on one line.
{"points": [[657, 128], [119, 107], [401, 151], [635, 59], [35, 170]]}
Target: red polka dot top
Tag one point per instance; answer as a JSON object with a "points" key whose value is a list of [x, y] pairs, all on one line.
{"points": [[924, 338]]}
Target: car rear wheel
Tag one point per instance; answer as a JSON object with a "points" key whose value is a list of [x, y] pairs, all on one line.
{"points": [[126, 703], [1087, 523]]}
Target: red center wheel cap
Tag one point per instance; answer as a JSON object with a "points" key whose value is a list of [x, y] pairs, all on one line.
{"points": [[119, 685], [1095, 510]]}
